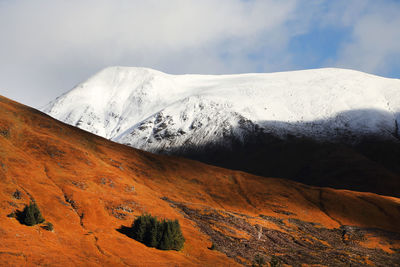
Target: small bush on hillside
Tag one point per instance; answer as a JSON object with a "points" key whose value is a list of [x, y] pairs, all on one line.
{"points": [[48, 226], [165, 234], [213, 246], [31, 215]]}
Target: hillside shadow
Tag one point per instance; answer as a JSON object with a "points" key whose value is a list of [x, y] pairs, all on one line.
{"points": [[125, 231], [361, 160], [18, 215]]}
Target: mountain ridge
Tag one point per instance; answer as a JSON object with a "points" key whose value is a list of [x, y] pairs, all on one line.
{"points": [[326, 127], [115, 102]]}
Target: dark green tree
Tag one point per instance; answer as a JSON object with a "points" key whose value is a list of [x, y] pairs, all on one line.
{"points": [[177, 237], [165, 234], [139, 228], [31, 215], [172, 237], [152, 236], [166, 240]]}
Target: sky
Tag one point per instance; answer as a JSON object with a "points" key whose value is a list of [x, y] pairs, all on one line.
{"points": [[49, 46]]}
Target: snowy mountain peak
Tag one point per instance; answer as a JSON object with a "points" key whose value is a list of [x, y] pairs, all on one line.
{"points": [[155, 111]]}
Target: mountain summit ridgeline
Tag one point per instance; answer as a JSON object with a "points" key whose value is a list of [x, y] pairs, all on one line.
{"points": [[325, 127]]}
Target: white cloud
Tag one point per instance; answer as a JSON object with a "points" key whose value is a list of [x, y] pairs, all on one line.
{"points": [[375, 40], [374, 36], [48, 45]]}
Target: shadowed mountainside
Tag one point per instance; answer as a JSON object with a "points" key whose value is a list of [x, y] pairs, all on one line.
{"points": [[347, 160], [243, 121], [89, 188]]}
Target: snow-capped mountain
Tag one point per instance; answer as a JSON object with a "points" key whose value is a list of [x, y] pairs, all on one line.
{"points": [[158, 112]]}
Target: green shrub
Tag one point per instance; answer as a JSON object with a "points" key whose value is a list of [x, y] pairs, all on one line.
{"points": [[213, 246], [48, 226], [165, 234], [31, 215]]}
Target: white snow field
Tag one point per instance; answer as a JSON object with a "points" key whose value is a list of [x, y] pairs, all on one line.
{"points": [[154, 111]]}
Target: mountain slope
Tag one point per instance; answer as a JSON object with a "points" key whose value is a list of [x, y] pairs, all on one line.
{"points": [[152, 110], [324, 127], [89, 187]]}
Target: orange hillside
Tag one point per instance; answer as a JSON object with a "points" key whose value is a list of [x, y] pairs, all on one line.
{"points": [[88, 187]]}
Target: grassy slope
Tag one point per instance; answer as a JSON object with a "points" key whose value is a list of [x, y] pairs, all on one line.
{"points": [[88, 187]]}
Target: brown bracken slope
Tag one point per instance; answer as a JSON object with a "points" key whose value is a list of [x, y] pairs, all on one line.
{"points": [[89, 187]]}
